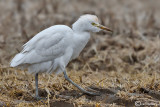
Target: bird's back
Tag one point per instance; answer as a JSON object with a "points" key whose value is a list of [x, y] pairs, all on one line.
{"points": [[45, 46]]}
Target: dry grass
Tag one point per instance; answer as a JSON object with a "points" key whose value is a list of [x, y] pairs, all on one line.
{"points": [[124, 67]]}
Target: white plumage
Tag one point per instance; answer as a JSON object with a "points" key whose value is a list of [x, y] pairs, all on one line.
{"points": [[53, 48], [44, 48]]}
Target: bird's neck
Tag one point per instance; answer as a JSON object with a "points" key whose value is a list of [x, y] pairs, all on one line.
{"points": [[79, 27], [80, 40], [80, 32]]}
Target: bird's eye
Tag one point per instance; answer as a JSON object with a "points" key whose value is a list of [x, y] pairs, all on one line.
{"points": [[93, 24]]}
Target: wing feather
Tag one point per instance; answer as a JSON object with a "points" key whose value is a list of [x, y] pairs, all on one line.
{"points": [[46, 45]]}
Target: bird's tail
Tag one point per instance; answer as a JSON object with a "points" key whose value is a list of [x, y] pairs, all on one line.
{"points": [[17, 60]]}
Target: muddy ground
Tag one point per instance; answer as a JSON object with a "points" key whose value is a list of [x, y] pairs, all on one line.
{"points": [[124, 66]]}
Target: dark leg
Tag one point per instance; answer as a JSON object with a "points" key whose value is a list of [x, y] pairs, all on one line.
{"points": [[80, 88], [36, 83]]}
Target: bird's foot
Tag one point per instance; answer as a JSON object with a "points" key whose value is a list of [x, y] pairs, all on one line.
{"points": [[80, 88], [39, 98], [92, 93]]}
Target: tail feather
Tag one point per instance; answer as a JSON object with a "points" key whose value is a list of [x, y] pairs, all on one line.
{"points": [[17, 60]]}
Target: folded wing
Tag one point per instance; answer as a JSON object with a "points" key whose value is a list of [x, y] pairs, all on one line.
{"points": [[45, 46]]}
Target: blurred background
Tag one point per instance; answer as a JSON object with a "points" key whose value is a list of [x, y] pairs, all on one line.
{"points": [[135, 22], [133, 48]]}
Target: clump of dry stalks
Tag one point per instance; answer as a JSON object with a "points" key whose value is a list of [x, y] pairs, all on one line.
{"points": [[123, 66]]}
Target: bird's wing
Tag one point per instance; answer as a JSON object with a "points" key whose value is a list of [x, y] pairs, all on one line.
{"points": [[47, 45]]}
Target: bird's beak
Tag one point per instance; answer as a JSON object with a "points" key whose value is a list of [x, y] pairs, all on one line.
{"points": [[102, 27]]}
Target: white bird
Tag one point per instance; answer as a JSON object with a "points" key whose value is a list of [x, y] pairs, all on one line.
{"points": [[53, 48]]}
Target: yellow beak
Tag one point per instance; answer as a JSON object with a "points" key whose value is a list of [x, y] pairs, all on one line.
{"points": [[102, 27]]}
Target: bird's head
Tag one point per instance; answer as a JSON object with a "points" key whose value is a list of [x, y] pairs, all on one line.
{"points": [[89, 23]]}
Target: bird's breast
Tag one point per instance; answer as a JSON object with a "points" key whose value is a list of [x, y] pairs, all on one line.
{"points": [[80, 42]]}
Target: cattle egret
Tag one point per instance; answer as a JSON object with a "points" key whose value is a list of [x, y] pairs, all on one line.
{"points": [[53, 48]]}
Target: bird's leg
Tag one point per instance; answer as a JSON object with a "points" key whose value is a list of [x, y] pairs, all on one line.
{"points": [[36, 83], [80, 88]]}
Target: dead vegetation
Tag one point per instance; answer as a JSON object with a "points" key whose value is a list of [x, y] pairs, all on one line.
{"points": [[124, 66]]}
